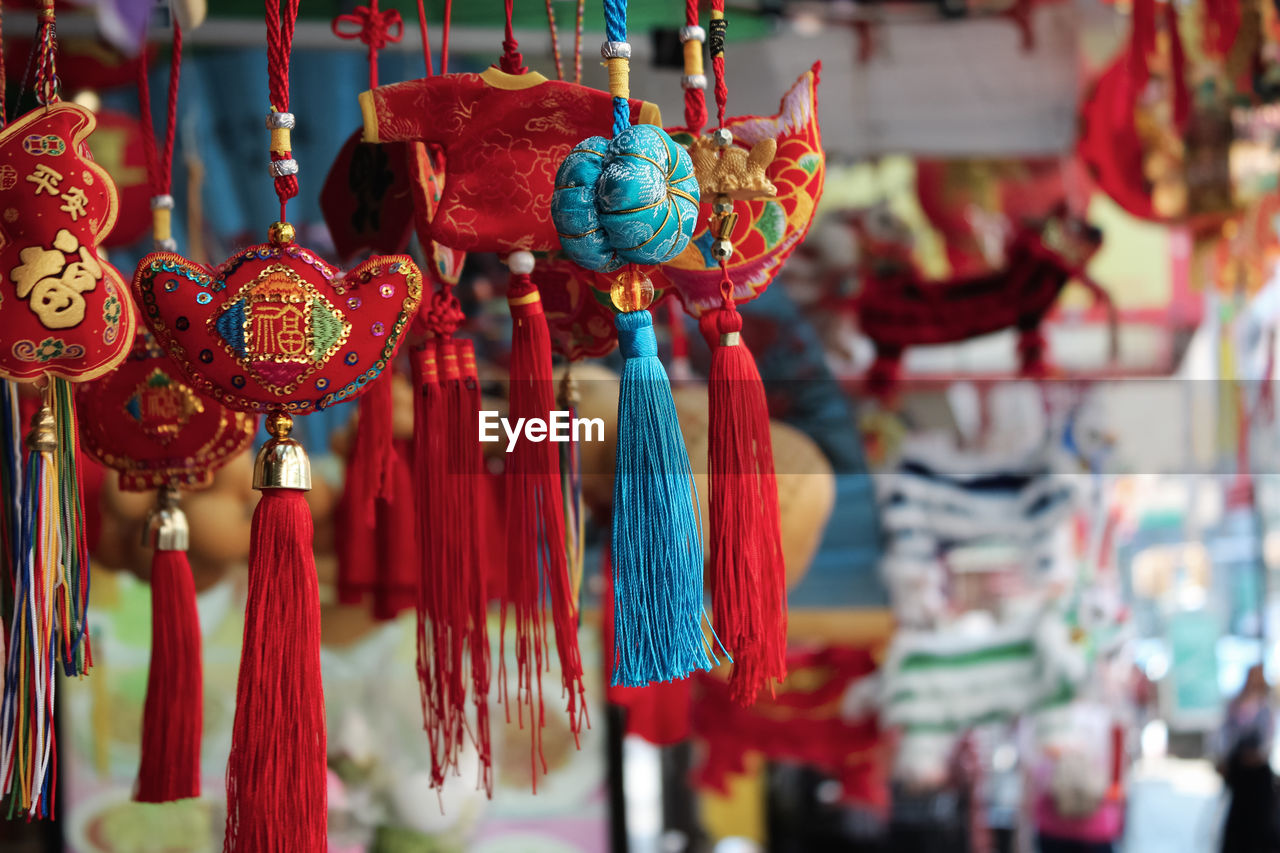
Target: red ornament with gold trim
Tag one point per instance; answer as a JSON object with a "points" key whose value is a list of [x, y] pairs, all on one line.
{"points": [[154, 428], [63, 309]]}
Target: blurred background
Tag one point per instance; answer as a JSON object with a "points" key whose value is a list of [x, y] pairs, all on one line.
{"points": [[1032, 546]]}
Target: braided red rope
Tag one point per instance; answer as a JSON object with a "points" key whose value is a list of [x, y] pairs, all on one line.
{"points": [[555, 41], [280, 27], [160, 164], [577, 42], [717, 59], [512, 62], [695, 100]]}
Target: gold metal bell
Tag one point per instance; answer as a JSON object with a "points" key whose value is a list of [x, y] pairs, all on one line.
{"points": [[167, 528], [281, 463], [43, 437]]}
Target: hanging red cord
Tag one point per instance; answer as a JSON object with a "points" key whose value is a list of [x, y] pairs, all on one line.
{"points": [[444, 44], [694, 80], [577, 42], [512, 62], [426, 42], [284, 169], [374, 27], [4, 113], [716, 43], [160, 163], [555, 40]]}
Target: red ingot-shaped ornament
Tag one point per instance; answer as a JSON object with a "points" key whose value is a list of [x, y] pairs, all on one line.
{"points": [[152, 427], [768, 230], [275, 327], [64, 311]]}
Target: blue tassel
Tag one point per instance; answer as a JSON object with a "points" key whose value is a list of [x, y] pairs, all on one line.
{"points": [[657, 530]]}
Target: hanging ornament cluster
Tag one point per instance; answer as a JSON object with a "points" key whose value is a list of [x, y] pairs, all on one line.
{"points": [[158, 432], [275, 329], [627, 212], [66, 319], [485, 150]]}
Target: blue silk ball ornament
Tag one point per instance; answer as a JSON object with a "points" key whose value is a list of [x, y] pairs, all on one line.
{"points": [[632, 199]]}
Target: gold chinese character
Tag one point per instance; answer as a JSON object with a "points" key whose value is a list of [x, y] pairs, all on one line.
{"points": [[53, 285], [75, 202], [45, 179], [277, 329]]}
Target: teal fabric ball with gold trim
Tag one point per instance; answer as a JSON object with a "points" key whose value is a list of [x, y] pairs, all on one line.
{"points": [[632, 199]]}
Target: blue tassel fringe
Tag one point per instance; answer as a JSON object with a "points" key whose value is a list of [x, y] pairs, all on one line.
{"points": [[657, 529]]}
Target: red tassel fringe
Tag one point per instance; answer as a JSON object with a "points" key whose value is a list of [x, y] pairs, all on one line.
{"points": [[537, 565], [748, 574], [452, 603], [469, 480], [173, 714], [276, 773]]}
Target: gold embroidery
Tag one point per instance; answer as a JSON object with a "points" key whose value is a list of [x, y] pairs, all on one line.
{"points": [[53, 286]]}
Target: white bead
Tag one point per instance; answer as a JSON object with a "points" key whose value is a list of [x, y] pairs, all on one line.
{"points": [[162, 202], [693, 33], [521, 262], [280, 168], [277, 121], [694, 81], [615, 50]]}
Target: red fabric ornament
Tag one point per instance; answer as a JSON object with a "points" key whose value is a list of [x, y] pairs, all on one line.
{"points": [[427, 167], [64, 310], [578, 311], [901, 311], [801, 724], [367, 198], [769, 229], [275, 327], [1110, 144], [84, 62], [153, 428], [503, 137]]}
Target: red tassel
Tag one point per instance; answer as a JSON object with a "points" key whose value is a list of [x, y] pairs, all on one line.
{"points": [[537, 565], [373, 457], [173, 714], [452, 603], [276, 773], [369, 485], [440, 615], [748, 577], [397, 548], [469, 480]]}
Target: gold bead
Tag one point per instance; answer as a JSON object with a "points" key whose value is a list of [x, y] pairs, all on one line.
{"points": [[281, 233], [279, 424], [722, 205], [631, 290], [722, 249]]}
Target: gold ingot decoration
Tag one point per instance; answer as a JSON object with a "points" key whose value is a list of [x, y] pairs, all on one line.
{"points": [[733, 171]]}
